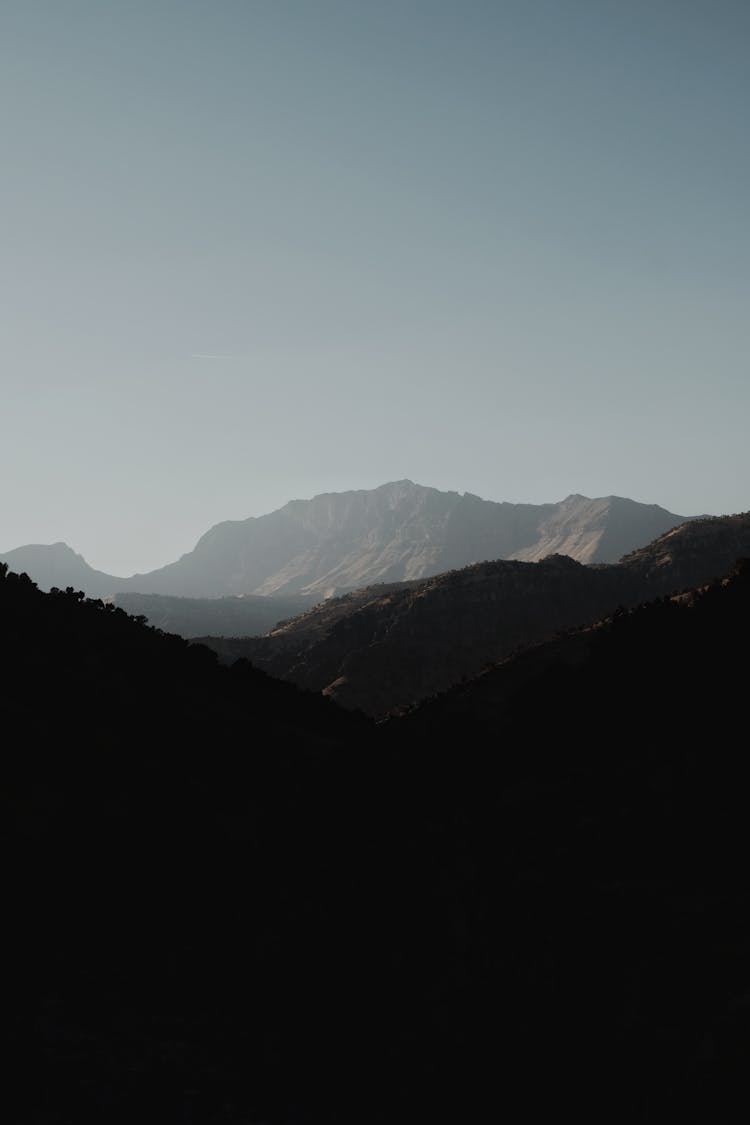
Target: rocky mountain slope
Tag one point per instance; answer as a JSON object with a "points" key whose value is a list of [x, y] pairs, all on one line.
{"points": [[340, 541], [385, 647]]}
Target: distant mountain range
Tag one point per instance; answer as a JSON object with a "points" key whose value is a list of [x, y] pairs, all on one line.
{"points": [[341, 541], [57, 564], [385, 647]]}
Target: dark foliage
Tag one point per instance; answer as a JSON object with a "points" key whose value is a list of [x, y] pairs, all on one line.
{"points": [[229, 901]]}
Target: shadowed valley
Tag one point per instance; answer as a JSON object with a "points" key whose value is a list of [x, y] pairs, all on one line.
{"points": [[235, 901]]}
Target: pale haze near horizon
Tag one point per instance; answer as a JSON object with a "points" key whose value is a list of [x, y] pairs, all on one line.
{"points": [[252, 252]]}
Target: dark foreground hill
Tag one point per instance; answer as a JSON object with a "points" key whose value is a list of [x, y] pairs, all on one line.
{"points": [[228, 901], [614, 819], [165, 870], [342, 540], [387, 646]]}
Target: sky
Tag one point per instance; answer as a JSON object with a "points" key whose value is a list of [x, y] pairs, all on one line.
{"points": [[256, 250]]}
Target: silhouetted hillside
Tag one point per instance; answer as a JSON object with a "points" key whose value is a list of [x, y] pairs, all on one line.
{"points": [[614, 820], [694, 552], [162, 838], [229, 901], [383, 648]]}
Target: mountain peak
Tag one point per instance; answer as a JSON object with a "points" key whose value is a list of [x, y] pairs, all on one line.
{"points": [[338, 541], [57, 564]]}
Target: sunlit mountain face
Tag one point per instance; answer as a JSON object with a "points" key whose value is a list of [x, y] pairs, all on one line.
{"points": [[339, 541]]}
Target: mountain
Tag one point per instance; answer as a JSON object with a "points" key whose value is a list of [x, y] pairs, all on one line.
{"points": [[383, 648], [339, 541], [228, 900], [57, 564], [695, 552], [660, 643], [597, 531], [400, 531]]}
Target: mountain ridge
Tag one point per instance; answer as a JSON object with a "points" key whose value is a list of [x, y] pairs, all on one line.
{"points": [[384, 647], [343, 540]]}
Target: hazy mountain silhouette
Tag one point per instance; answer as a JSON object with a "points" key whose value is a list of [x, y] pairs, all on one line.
{"points": [[227, 900], [343, 540], [57, 564], [385, 647]]}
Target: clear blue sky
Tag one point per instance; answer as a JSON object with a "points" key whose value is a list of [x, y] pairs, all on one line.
{"points": [[253, 251]]}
